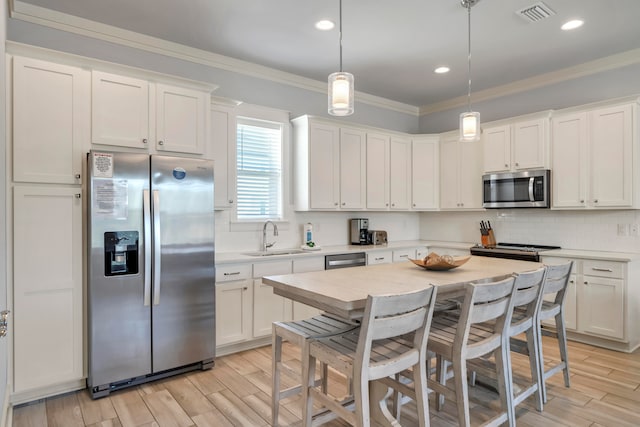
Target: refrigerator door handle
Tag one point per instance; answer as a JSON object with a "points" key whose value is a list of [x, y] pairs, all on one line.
{"points": [[146, 206], [156, 247]]}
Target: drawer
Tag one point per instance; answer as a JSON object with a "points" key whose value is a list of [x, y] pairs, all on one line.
{"points": [[230, 272], [379, 257], [271, 268], [400, 255], [302, 265], [603, 269]]}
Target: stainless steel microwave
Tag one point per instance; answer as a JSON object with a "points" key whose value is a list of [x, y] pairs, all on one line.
{"points": [[524, 189]]}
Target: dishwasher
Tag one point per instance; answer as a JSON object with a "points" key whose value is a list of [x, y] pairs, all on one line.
{"points": [[353, 259]]}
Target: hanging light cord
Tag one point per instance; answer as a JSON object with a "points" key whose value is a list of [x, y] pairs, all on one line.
{"points": [[340, 24], [468, 3]]}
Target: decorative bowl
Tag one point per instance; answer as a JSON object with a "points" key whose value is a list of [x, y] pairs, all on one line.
{"points": [[433, 261]]}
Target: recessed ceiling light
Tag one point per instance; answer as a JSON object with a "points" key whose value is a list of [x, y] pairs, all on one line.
{"points": [[325, 25], [572, 25], [441, 70]]}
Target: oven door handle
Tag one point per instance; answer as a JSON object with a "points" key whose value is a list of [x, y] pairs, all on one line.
{"points": [[531, 195]]}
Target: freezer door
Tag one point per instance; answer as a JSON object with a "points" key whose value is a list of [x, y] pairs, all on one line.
{"points": [[119, 323], [183, 301]]}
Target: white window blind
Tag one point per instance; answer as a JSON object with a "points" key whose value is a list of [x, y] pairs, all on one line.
{"points": [[259, 170]]}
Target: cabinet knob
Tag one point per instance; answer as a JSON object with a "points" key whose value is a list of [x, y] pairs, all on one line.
{"points": [[393, 204], [343, 203], [230, 200], [517, 164], [160, 142], [586, 283], [245, 288], [595, 201], [335, 204], [77, 176], [144, 141], [414, 205], [78, 195], [506, 165], [571, 281], [386, 204], [581, 201]]}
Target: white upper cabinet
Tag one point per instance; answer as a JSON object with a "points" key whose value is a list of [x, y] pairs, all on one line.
{"points": [[353, 169], [377, 171], [516, 146], [223, 138], [400, 173], [132, 112], [595, 158], [330, 166], [425, 173], [50, 121], [181, 119], [460, 173], [119, 110]]}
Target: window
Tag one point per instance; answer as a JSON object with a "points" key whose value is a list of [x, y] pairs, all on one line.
{"points": [[259, 170]]}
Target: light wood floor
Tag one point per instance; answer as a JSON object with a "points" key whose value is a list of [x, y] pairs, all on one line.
{"points": [[605, 391]]}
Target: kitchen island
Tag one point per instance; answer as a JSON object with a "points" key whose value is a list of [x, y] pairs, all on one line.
{"points": [[344, 292]]}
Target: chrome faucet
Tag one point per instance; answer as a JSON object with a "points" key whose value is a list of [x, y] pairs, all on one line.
{"points": [[266, 245]]}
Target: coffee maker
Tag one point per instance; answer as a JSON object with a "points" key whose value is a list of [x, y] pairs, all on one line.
{"points": [[359, 231]]}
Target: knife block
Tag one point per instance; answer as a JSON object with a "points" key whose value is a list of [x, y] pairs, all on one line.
{"points": [[488, 240]]}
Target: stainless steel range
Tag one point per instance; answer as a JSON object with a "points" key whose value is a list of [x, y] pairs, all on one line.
{"points": [[512, 251]]}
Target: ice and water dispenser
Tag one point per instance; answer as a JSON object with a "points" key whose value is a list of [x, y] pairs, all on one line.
{"points": [[120, 253]]}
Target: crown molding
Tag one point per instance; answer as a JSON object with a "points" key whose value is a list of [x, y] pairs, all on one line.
{"points": [[73, 24], [607, 63]]}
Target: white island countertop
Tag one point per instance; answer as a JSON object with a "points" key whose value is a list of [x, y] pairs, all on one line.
{"points": [[344, 291]]}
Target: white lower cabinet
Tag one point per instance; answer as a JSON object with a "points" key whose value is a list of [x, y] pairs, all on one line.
{"points": [[234, 304], [267, 306], [47, 287], [600, 303], [400, 255], [379, 257]]}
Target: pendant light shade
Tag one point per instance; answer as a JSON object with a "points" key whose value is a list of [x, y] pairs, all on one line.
{"points": [[470, 120], [340, 94], [340, 86]]}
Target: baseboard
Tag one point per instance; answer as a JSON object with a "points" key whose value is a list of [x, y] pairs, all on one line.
{"points": [[44, 392], [246, 345]]}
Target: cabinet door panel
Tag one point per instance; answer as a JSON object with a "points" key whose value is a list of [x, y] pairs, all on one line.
{"points": [[119, 110], [181, 121], [497, 148], [425, 182], [449, 174], [400, 173], [377, 171], [47, 287], [50, 121], [233, 311], [569, 160], [529, 144], [324, 169], [601, 306], [268, 308], [352, 169], [222, 136], [611, 156], [470, 175]]}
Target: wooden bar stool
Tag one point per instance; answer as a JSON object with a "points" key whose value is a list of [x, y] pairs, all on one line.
{"points": [[299, 333]]}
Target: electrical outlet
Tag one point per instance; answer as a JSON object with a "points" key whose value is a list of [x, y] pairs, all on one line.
{"points": [[633, 230], [623, 229]]}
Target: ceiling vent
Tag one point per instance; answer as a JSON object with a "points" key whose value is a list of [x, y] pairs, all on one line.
{"points": [[535, 12]]}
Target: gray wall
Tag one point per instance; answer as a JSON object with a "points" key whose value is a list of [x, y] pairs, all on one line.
{"points": [[611, 84]]}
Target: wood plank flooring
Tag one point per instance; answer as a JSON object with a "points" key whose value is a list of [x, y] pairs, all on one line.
{"points": [[605, 391]]}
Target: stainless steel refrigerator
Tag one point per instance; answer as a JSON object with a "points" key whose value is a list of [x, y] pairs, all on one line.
{"points": [[151, 273]]}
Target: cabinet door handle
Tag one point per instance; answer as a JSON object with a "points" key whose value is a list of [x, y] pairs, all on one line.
{"points": [[230, 200], [571, 281], [404, 256], [335, 204], [144, 140], [595, 201], [245, 288], [78, 195], [506, 165], [517, 164], [586, 283], [581, 201], [379, 259], [160, 142], [343, 203], [608, 270], [235, 273], [77, 176]]}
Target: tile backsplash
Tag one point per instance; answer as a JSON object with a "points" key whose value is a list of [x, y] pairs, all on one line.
{"points": [[588, 230]]}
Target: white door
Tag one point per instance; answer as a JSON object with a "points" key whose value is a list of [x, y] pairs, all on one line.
{"points": [[497, 148], [352, 169], [529, 144], [569, 161], [400, 173], [324, 166], [181, 119], [425, 170], [377, 171]]}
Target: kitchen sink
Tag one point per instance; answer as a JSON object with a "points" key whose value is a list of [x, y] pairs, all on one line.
{"points": [[276, 252]]}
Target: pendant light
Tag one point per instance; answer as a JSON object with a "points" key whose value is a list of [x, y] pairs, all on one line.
{"points": [[341, 86], [470, 120]]}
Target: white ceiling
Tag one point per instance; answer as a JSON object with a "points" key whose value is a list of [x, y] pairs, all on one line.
{"points": [[390, 46]]}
